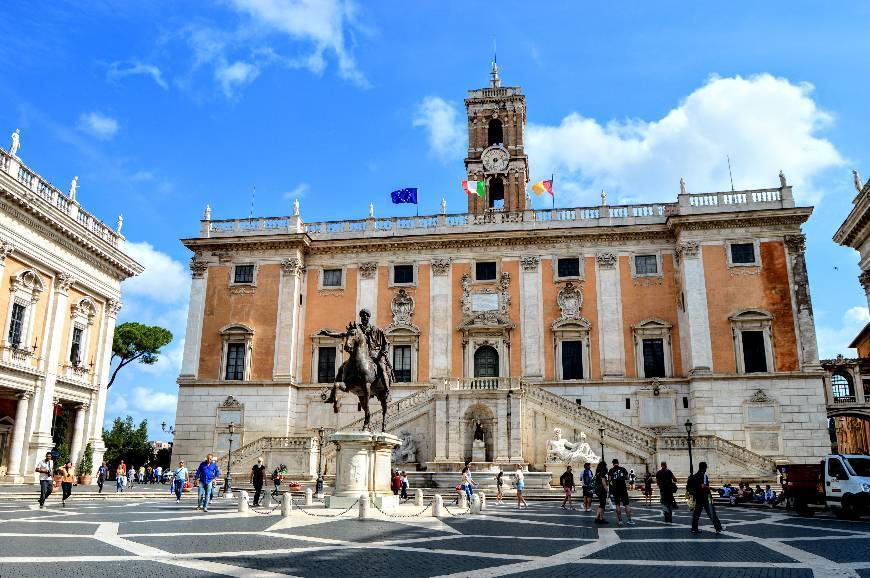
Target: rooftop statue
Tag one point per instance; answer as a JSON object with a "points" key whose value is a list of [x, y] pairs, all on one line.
{"points": [[682, 186], [782, 182], [367, 371], [295, 207], [855, 176], [16, 143], [73, 187]]}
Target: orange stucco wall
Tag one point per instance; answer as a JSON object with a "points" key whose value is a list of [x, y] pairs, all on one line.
{"points": [[40, 313], [258, 310], [329, 308], [643, 298], [729, 293]]}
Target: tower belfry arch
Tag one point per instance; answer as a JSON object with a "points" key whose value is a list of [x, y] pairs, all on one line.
{"points": [[496, 155]]}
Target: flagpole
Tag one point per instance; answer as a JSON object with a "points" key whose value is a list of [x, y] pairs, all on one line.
{"points": [[553, 189]]}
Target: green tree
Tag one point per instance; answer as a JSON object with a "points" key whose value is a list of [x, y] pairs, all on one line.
{"points": [[62, 455], [128, 443], [86, 466], [137, 341], [162, 457]]}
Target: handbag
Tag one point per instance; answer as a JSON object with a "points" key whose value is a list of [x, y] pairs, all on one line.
{"points": [[690, 501]]}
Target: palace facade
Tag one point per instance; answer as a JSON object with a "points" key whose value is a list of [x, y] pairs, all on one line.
{"points": [[60, 287], [622, 322]]}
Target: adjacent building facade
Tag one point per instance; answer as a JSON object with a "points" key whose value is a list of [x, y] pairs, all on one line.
{"points": [[620, 323], [60, 275]]}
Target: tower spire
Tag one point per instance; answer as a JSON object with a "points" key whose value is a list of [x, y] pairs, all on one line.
{"points": [[494, 79]]}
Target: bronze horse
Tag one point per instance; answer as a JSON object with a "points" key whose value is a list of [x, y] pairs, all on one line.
{"points": [[360, 375]]}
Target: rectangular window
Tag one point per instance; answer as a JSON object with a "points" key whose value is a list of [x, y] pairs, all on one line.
{"points": [[485, 271], [646, 265], [572, 360], [627, 403], [754, 356], [16, 324], [75, 349], [325, 365], [332, 277], [743, 253], [235, 361], [402, 362], [685, 402], [403, 274], [568, 267], [653, 358], [244, 274]]}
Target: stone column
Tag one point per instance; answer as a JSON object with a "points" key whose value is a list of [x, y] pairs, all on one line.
{"points": [[367, 289], [610, 329], [113, 307], [288, 317], [440, 319], [196, 307], [17, 448], [531, 319], [516, 421], [695, 332], [806, 325], [42, 441], [78, 432], [440, 430]]}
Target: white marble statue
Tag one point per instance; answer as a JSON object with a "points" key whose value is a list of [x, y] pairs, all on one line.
{"points": [[855, 176], [16, 143], [207, 215], [120, 223], [603, 198], [443, 206], [782, 182], [682, 186], [567, 452], [295, 207], [73, 187], [406, 453], [371, 211]]}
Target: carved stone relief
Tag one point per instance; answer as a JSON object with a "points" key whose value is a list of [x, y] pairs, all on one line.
{"points": [[570, 301], [440, 266], [606, 260], [530, 262], [368, 270]]}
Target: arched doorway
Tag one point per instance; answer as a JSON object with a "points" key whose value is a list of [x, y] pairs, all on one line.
{"points": [[486, 362], [496, 193], [842, 388], [478, 413], [495, 132]]}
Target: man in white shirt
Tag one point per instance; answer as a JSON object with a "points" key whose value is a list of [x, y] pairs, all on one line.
{"points": [[46, 483]]}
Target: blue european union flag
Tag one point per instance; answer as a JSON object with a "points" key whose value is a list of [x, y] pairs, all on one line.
{"points": [[404, 196]]}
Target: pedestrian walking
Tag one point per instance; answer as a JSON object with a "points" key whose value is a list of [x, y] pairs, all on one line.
{"points": [[120, 477], [601, 488], [632, 479], [258, 476], [698, 486], [158, 474], [67, 477], [46, 483], [520, 483], [141, 474], [395, 482], [499, 482], [404, 480], [667, 483], [587, 478], [206, 474], [179, 476], [131, 476], [102, 476], [647, 487], [566, 480], [619, 492], [468, 484]]}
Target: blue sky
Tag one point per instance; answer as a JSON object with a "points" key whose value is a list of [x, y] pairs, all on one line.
{"points": [[164, 107]]}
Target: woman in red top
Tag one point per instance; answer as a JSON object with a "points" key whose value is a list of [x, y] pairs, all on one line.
{"points": [[396, 482]]}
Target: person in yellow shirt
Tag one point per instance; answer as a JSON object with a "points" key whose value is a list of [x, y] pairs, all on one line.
{"points": [[67, 477]]}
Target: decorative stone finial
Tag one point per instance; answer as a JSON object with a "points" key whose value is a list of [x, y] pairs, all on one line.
{"points": [[207, 215], [73, 187], [603, 198], [120, 223], [682, 186], [857, 178], [782, 182], [16, 143]]}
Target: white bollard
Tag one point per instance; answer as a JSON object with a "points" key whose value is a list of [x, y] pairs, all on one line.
{"points": [[308, 497], [364, 507], [463, 500], [418, 497], [287, 504], [266, 499], [437, 505], [243, 501], [475, 504], [482, 501]]}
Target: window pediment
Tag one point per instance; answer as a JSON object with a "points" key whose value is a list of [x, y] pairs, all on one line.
{"points": [[236, 329]]}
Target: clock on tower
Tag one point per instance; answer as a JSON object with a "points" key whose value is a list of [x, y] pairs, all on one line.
{"points": [[496, 128]]}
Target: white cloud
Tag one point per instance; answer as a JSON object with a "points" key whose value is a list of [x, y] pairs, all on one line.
{"points": [[153, 401], [118, 70], [835, 340], [766, 124], [235, 75], [447, 137], [298, 192], [98, 125], [164, 279]]}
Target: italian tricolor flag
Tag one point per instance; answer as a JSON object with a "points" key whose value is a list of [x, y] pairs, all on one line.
{"points": [[474, 188]]}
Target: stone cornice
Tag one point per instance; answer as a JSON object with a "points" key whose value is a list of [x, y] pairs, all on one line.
{"points": [[854, 229], [787, 218]]}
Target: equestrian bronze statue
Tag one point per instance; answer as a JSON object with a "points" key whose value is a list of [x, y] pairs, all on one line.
{"points": [[367, 371]]}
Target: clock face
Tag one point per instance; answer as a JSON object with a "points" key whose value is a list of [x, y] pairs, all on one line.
{"points": [[495, 159]]}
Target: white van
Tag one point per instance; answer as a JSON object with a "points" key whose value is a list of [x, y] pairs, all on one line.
{"points": [[847, 485]]}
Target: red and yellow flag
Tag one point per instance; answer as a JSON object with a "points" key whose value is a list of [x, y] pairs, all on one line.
{"points": [[542, 187]]}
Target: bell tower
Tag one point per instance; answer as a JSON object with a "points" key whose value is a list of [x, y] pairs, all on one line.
{"points": [[496, 131]]}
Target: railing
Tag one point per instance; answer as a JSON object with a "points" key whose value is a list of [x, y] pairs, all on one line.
{"points": [[49, 194], [482, 383], [254, 449], [735, 198], [18, 356], [846, 399], [737, 453]]}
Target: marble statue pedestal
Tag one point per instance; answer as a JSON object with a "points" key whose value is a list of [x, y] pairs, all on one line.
{"points": [[363, 466], [478, 451]]}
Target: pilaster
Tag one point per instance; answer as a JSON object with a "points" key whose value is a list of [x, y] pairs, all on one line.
{"points": [[806, 326], [289, 307], [695, 331], [440, 318], [610, 325], [113, 307], [531, 318], [193, 334], [367, 289]]}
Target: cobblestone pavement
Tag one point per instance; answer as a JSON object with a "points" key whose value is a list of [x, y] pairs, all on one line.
{"points": [[89, 538]]}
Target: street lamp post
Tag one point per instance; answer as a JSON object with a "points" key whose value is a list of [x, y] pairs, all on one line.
{"points": [[689, 442], [318, 488], [601, 435], [228, 480]]}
